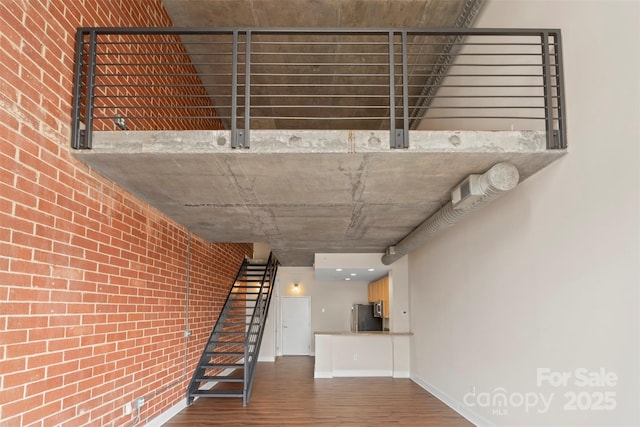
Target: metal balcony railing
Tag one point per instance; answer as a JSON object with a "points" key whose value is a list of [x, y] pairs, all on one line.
{"points": [[327, 78]]}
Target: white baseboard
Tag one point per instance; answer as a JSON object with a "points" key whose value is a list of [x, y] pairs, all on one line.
{"points": [[168, 414], [362, 373], [401, 374], [323, 374], [454, 404], [266, 359]]}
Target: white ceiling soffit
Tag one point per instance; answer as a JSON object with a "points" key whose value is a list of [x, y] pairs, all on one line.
{"points": [[355, 267]]}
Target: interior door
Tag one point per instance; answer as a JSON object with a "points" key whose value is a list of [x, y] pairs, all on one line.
{"points": [[296, 325]]}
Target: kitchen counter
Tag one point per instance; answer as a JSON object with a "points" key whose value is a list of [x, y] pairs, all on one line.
{"points": [[362, 354], [366, 333]]}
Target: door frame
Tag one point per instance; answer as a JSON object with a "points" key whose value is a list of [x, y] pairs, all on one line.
{"points": [[281, 322]]}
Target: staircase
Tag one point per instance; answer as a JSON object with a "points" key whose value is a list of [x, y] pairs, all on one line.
{"points": [[228, 361]]}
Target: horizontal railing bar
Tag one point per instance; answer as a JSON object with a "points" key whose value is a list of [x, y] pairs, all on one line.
{"points": [[152, 64], [321, 118], [299, 53], [337, 107], [321, 43], [167, 85], [322, 95], [484, 107], [321, 30], [480, 65], [482, 117], [317, 85], [158, 43], [320, 64], [480, 96], [158, 74], [475, 43], [154, 107], [179, 96], [478, 75], [321, 75], [159, 117], [410, 55], [159, 53], [482, 86]]}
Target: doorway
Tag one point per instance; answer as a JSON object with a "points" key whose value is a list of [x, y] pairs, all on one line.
{"points": [[296, 326]]}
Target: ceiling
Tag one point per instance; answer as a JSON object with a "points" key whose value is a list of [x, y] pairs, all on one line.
{"points": [[356, 77], [304, 192], [314, 13]]}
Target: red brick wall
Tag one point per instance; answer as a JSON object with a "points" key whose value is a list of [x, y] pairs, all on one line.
{"points": [[151, 80], [92, 281]]}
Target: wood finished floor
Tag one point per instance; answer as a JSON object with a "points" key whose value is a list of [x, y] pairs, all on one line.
{"points": [[285, 393]]}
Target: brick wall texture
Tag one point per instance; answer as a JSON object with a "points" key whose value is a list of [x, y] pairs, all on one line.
{"points": [[93, 282]]}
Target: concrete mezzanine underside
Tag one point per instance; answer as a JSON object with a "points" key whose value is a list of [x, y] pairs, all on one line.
{"points": [[305, 192]]}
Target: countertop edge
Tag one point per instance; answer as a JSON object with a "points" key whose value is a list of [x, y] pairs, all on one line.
{"points": [[363, 333]]}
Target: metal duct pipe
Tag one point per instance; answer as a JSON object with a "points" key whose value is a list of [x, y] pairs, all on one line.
{"points": [[470, 195]]}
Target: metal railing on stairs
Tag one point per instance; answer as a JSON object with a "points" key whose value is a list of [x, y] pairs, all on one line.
{"points": [[244, 79], [228, 362]]}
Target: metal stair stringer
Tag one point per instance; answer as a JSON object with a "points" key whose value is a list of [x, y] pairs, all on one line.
{"points": [[229, 358]]}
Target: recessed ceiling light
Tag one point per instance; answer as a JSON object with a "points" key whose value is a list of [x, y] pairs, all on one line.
{"points": [[372, 269], [338, 269], [348, 278], [354, 274]]}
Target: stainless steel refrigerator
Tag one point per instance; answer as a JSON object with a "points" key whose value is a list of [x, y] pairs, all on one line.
{"points": [[363, 319]]}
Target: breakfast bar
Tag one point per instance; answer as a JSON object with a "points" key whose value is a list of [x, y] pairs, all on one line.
{"points": [[361, 354]]}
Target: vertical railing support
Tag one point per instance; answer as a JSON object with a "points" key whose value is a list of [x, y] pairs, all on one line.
{"points": [[234, 90], [548, 95], [77, 135], [405, 91], [394, 138], [247, 91], [91, 82], [559, 77]]}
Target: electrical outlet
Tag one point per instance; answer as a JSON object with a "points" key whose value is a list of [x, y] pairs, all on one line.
{"points": [[120, 122], [355, 356], [138, 402], [127, 408]]}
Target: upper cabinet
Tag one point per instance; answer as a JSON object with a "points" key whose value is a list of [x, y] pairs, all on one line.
{"points": [[379, 291]]}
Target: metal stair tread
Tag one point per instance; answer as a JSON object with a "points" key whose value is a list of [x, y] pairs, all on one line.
{"points": [[217, 393], [224, 353], [223, 366], [222, 379]]}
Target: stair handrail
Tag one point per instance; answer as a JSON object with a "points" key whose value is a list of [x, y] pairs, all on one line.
{"points": [[250, 358]]}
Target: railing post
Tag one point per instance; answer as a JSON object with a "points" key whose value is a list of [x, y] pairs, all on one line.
{"points": [[76, 133], [247, 91], [562, 123], [234, 90], [548, 95], [405, 92], [91, 81], [81, 139], [394, 139]]}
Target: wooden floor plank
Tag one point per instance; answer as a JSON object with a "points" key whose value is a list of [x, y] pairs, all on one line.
{"points": [[285, 393]]}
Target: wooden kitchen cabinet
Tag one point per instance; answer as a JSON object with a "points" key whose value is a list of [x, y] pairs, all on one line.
{"points": [[379, 291]]}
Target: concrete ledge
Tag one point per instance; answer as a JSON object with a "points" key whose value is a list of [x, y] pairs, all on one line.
{"points": [[304, 192], [317, 141]]}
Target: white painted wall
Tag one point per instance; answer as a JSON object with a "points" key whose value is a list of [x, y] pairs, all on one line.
{"points": [[268, 344], [548, 275], [399, 320], [336, 298]]}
